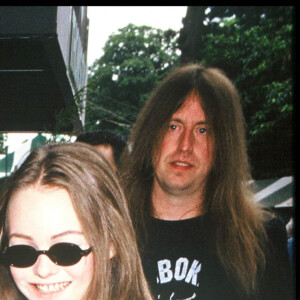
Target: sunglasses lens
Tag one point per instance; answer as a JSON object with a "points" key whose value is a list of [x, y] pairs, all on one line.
{"points": [[21, 256], [65, 254]]}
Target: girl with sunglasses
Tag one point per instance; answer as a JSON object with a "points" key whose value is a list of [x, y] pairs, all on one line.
{"points": [[65, 230]]}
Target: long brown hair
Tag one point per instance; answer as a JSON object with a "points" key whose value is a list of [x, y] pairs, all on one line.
{"points": [[237, 230], [101, 208]]}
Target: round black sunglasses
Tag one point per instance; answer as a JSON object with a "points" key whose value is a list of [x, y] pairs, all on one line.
{"points": [[62, 254]]}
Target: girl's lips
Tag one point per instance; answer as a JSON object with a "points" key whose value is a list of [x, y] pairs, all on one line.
{"points": [[52, 288]]}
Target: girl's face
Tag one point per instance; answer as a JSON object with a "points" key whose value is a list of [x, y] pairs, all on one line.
{"points": [[41, 217]]}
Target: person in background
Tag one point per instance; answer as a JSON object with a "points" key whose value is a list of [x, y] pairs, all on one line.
{"points": [[108, 143], [200, 232], [65, 230]]}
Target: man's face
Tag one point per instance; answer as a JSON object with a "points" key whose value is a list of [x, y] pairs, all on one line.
{"points": [[184, 158]]}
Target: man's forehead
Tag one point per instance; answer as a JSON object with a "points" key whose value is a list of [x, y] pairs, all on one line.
{"points": [[192, 104]]}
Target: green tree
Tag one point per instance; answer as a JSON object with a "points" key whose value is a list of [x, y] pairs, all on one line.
{"points": [[135, 59], [253, 45]]}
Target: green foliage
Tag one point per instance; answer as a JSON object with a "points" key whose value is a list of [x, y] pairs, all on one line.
{"points": [[134, 61], [258, 59], [276, 108], [254, 46]]}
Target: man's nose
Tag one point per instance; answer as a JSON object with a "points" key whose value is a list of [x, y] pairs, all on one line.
{"points": [[186, 141]]}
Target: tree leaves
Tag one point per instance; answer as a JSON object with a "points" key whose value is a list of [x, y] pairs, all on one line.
{"points": [[253, 45], [135, 59]]}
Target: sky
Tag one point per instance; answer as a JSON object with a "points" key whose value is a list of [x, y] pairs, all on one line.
{"points": [[105, 20]]}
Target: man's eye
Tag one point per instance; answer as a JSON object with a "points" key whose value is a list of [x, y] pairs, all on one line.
{"points": [[173, 127], [203, 130]]}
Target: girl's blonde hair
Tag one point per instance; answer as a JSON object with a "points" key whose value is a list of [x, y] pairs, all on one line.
{"points": [[101, 208]]}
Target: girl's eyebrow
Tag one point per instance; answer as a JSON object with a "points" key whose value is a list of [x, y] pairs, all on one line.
{"points": [[20, 235], [69, 232], [27, 237]]}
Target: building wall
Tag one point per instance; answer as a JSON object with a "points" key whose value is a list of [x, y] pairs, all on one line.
{"points": [[72, 31], [43, 65], [64, 18]]}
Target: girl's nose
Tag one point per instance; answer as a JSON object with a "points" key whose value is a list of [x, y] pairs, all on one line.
{"points": [[45, 267]]}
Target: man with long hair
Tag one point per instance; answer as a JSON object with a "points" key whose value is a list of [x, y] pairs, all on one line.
{"points": [[200, 232]]}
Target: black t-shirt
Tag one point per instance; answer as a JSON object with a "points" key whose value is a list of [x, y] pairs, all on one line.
{"points": [[180, 265]]}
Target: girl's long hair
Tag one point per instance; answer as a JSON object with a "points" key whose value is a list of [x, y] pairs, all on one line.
{"points": [[236, 222], [101, 208]]}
